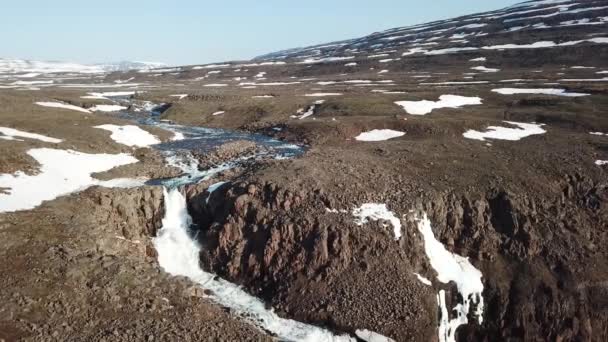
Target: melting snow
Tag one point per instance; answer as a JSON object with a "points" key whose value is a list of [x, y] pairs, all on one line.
{"points": [[108, 108], [379, 135], [546, 91], [11, 133], [323, 94], [452, 267], [62, 105], [484, 69], [370, 336], [130, 135], [375, 212], [106, 95], [218, 113], [180, 96], [445, 101], [423, 280], [480, 59], [506, 133], [61, 172], [601, 162]]}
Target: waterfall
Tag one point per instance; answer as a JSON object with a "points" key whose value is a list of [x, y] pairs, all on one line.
{"points": [[178, 255]]}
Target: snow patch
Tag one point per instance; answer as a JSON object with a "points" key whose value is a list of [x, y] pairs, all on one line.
{"points": [[62, 105], [379, 135], [11, 133], [375, 212], [61, 172], [323, 94], [506, 133], [545, 91], [424, 107], [130, 135], [108, 108], [370, 336]]}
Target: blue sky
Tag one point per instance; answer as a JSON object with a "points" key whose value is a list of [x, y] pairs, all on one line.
{"points": [[191, 31]]}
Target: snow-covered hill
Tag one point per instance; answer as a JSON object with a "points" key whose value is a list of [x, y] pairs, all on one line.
{"points": [[129, 65], [19, 66], [540, 22]]}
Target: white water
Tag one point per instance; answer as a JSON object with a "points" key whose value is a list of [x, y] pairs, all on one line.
{"points": [[178, 255]]}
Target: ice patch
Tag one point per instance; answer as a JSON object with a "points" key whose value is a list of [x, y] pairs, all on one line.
{"points": [[11, 133], [180, 96], [61, 172], [375, 212], [545, 91], [601, 162], [445, 101], [130, 135], [379, 135], [218, 113], [178, 255], [506, 133]]}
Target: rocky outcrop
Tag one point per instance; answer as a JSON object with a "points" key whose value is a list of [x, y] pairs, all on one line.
{"points": [[129, 217], [533, 251]]}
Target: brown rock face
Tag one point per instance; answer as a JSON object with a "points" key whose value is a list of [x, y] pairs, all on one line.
{"points": [[311, 265], [132, 217]]}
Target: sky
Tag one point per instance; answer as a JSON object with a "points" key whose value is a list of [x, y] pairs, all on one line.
{"points": [[181, 32]]}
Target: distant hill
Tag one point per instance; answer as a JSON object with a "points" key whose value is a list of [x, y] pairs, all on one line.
{"points": [[549, 21], [20, 66]]}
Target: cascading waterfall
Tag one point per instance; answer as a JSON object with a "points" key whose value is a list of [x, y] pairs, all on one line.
{"points": [[178, 255]]}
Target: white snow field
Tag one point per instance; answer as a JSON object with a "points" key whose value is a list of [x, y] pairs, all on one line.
{"points": [[379, 135], [11, 134], [178, 255], [542, 91], [130, 135], [452, 267], [375, 212], [424, 107], [63, 105], [506, 133], [61, 172]]}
